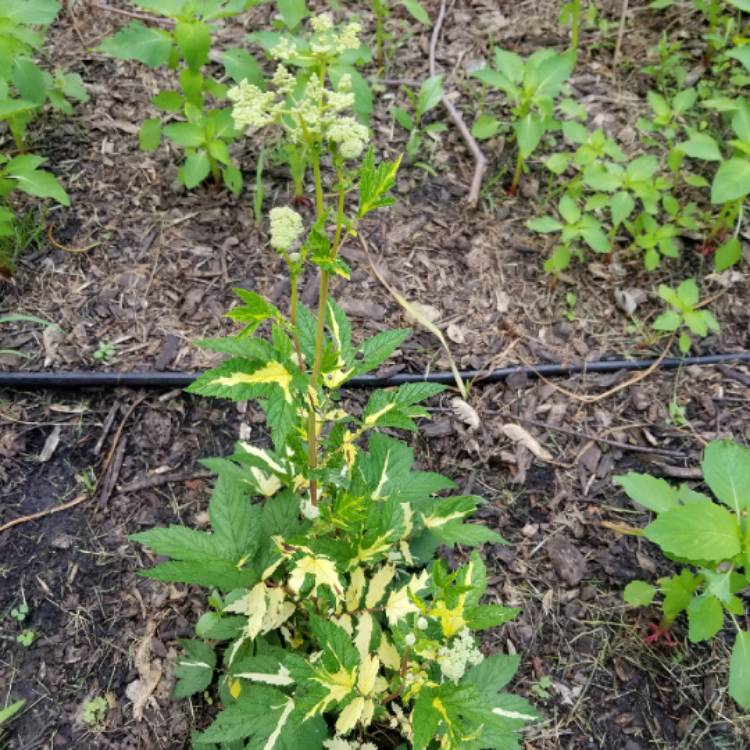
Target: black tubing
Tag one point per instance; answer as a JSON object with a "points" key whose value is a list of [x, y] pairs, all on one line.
{"points": [[167, 380]]}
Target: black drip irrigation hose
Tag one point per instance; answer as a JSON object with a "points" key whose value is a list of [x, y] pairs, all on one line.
{"points": [[168, 380]]}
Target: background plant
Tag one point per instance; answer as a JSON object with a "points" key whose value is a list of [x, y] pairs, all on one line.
{"points": [[710, 538], [205, 129], [426, 99], [333, 614], [531, 87]]}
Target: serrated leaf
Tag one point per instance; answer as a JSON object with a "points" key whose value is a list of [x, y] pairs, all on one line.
{"points": [[194, 40], [639, 593], [696, 531], [195, 669], [705, 618], [149, 46], [728, 254], [234, 519], [732, 181], [241, 66], [417, 11], [221, 574], [655, 494], [726, 470], [739, 670], [485, 126], [489, 616], [149, 134]]}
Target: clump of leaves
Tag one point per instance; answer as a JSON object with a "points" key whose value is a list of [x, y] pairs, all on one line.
{"points": [[684, 300], [202, 127], [25, 88], [531, 87], [426, 99], [331, 620], [709, 537], [94, 712]]}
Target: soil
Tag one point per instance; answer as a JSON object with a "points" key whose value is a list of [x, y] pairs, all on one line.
{"points": [[158, 275]]}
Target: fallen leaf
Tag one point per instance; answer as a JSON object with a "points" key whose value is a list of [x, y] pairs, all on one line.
{"points": [[429, 312], [518, 435], [50, 444], [139, 691], [456, 334], [466, 413]]}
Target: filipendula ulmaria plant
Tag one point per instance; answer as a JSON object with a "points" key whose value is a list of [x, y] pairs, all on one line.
{"points": [[204, 129], [331, 622], [328, 53], [712, 540]]}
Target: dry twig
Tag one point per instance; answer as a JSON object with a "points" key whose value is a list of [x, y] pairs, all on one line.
{"points": [[479, 158]]}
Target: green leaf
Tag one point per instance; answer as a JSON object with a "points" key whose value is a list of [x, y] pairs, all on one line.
{"points": [[468, 534], [182, 543], [37, 182], [194, 41], [489, 616], [185, 134], [375, 183], [732, 181], [430, 94], [195, 169], [554, 71], [688, 293], [241, 66], [29, 80], [221, 574], [621, 206], [195, 669], [149, 135], [510, 64], [696, 531], [492, 674], [7, 713], [485, 126], [639, 594], [417, 11], [169, 101], [705, 618], [741, 54], [148, 45], [739, 670], [30, 12], [529, 131], [655, 494], [292, 12], [425, 719], [667, 321], [728, 254], [234, 519], [701, 146], [544, 224], [678, 591], [726, 470]]}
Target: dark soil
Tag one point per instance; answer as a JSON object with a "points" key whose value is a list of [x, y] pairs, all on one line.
{"points": [[160, 276]]}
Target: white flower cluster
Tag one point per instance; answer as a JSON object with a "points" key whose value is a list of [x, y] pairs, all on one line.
{"points": [[463, 653], [286, 228], [314, 115], [339, 743]]}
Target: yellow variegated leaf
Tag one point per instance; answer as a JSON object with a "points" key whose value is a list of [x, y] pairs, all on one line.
{"points": [[373, 418], [268, 484], [364, 635], [322, 569], [338, 685], [280, 677], [235, 687], [399, 605], [253, 605], [345, 623], [264, 456], [368, 673], [388, 654], [351, 714], [273, 373], [380, 545], [378, 585], [451, 620], [354, 592]]}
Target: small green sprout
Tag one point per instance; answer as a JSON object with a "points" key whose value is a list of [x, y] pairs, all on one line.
{"points": [[684, 312], [94, 712]]}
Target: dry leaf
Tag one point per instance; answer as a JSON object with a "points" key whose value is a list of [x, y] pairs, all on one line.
{"points": [[50, 444], [466, 413], [518, 435], [456, 334], [139, 691], [430, 312]]}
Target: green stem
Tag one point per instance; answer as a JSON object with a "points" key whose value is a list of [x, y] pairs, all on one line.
{"points": [[312, 437], [575, 26], [516, 174], [215, 170]]}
